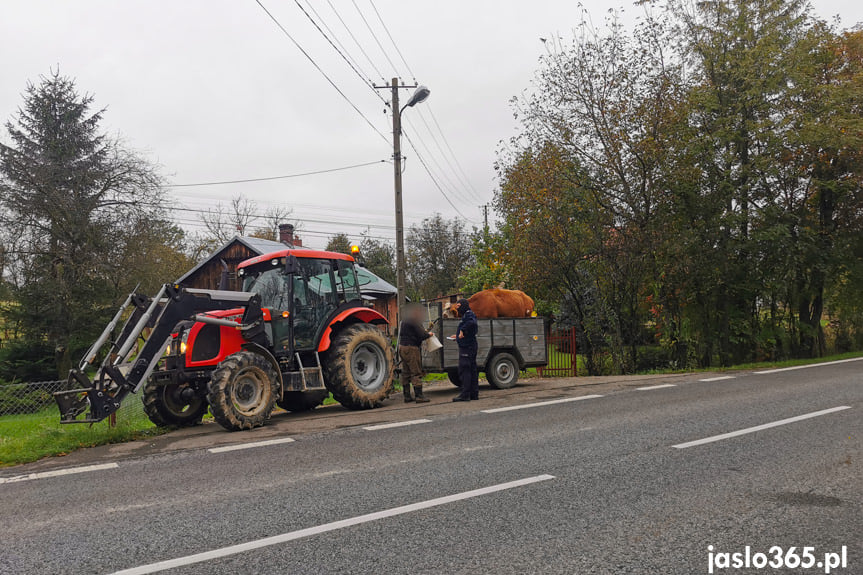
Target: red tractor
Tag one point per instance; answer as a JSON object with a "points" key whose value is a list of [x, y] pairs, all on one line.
{"points": [[297, 332]]}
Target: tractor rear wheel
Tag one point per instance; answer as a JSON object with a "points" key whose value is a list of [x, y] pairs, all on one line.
{"points": [[358, 367], [298, 401], [179, 404], [243, 391]]}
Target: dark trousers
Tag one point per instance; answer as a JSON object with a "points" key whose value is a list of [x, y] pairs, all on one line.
{"points": [[468, 373]]}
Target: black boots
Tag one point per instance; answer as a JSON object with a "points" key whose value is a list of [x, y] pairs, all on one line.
{"points": [[406, 389], [420, 397]]}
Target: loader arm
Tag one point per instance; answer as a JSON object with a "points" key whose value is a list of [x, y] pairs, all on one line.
{"points": [[118, 375]]}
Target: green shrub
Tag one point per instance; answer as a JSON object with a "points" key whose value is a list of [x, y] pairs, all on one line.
{"points": [[23, 360]]}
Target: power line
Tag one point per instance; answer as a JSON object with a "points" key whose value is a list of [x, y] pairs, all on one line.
{"points": [[452, 153], [466, 196], [270, 178], [460, 172], [346, 211], [444, 177], [434, 181], [354, 38], [390, 36], [301, 231], [337, 41], [327, 38], [312, 220], [374, 36], [324, 74]]}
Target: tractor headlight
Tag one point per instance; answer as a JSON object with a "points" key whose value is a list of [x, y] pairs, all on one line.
{"points": [[184, 338]]}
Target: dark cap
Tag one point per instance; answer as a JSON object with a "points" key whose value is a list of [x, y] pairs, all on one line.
{"points": [[463, 305]]}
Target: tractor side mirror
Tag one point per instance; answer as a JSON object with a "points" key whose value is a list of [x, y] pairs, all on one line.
{"points": [[291, 265]]}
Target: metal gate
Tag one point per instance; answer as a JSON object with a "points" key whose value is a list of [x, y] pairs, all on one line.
{"points": [[562, 358]]}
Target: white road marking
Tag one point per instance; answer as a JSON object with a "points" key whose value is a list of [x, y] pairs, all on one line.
{"points": [[538, 404], [325, 528], [649, 387], [760, 427], [807, 366], [250, 445], [58, 472], [396, 424], [718, 378]]}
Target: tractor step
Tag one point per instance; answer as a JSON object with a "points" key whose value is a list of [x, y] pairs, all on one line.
{"points": [[304, 378]]}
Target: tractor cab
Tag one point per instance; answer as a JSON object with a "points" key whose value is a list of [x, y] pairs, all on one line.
{"points": [[301, 290]]}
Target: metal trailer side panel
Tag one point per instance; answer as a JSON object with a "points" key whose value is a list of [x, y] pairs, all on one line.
{"points": [[524, 336], [530, 341]]}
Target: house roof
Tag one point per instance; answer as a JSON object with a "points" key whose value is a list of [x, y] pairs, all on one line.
{"points": [[373, 285], [257, 245]]}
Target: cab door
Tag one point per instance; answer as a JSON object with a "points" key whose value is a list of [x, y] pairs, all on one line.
{"points": [[314, 299]]}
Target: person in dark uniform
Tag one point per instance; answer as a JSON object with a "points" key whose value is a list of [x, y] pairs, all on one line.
{"points": [[468, 372], [411, 336]]}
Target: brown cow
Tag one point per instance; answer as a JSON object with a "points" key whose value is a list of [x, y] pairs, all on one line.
{"points": [[497, 302]]}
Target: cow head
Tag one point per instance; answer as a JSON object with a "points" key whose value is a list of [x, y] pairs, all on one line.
{"points": [[450, 311]]}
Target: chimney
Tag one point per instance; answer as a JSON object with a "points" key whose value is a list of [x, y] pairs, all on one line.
{"points": [[286, 234]]}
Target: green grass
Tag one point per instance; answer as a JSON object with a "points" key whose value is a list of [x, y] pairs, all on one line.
{"points": [[25, 438]]}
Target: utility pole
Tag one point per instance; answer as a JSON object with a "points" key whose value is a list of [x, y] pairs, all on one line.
{"points": [[485, 218], [400, 224], [418, 96]]}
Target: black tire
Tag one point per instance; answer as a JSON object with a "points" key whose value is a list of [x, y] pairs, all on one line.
{"points": [[299, 401], [179, 405], [502, 371], [243, 391], [454, 379], [358, 367]]}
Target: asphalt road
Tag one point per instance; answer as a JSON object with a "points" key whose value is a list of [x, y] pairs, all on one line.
{"points": [[605, 489]]}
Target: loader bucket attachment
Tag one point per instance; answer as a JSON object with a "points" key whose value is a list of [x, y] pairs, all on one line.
{"points": [[72, 403]]}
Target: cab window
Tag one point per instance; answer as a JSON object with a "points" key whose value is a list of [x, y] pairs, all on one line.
{"points": [[346, 281]]}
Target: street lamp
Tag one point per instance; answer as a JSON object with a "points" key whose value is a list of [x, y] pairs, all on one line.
{"points": [[420, 95]]}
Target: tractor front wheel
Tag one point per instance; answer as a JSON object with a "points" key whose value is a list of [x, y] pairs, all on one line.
{"points": [[180, 404], [358, 367], [243, 391]]}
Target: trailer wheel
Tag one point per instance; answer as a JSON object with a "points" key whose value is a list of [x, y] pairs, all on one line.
{"points": [[502, 371], [454, 379], [179, 404], [242, 391], [358, 367], [298, 401]]}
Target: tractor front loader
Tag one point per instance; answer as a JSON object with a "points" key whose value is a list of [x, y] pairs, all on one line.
{"points": [[296, 333], [125, 369]]}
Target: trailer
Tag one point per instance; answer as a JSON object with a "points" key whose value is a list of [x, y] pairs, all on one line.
{"points": [[506, 346]]}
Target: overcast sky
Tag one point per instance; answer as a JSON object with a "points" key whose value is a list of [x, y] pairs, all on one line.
{"points": [[213, 90]]}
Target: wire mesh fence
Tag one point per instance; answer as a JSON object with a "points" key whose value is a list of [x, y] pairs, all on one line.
{"points": [[36, 399]]}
